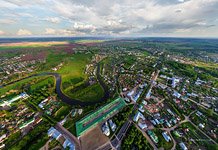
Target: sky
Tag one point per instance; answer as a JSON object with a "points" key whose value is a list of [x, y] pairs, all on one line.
{"points": [[127, 18]]}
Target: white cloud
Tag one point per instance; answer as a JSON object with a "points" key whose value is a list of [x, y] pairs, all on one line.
{"points": [[53, 19], [61, 32], [22, 32], [2, 32], [81, 27], [181, 1], [133, 17], [7, 21], [50, 31]]}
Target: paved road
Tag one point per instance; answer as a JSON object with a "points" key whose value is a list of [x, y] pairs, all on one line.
{"points": [[106, 146], [174, 142], [119, 137], [68, 135], [122, 132]]}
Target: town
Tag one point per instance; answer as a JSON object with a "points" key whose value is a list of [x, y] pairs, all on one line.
{"points": [[107, 95]]}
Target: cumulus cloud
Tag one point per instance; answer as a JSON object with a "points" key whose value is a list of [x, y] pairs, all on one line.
{"points": [[136, 15], [106, 17], [23, 32]]}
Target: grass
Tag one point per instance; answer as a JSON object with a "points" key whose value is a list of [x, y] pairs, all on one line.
{"points": [[134, 139], [62, 112], [162, 142], [44, 82], [129, 61], [91, 93], [33, 81], [99, 115], [73, 70]]}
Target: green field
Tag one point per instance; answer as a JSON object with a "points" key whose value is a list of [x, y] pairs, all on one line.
{"points": [[73, 74], [73, 71], [35, 82], [99, 115], [89, 41], [91, 93]]}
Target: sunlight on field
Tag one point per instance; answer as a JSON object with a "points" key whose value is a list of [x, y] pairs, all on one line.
{"points": [[89, 41], [32, 44]]}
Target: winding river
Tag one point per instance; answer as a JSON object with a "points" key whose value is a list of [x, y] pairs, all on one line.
{"points": [[64, 97]]}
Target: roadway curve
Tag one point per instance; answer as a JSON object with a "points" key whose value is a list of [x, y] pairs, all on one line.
{"points": [[64, 97]]}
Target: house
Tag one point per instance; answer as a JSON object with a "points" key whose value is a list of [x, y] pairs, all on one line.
{"points": [[67, 144], [141, 109], [170, 112], [148, 95], [52, 132], [206, 104], [112, 125], [144, 102], [176, 94], [80, 111], [174, 82], [166, 136], [137, 116], [105, 129], [183, 147], [142, 125], [198, 113], [127, 99], [153, 122], [153, 136], [185, 98], [129, 94], [168, 124], [201, 125]]}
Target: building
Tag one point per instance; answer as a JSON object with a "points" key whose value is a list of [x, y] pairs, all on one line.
{"points": [[112, 125], [148, 95], [174, 82], [105, 129], [153, 136], [166, 136], [176, 94], [183, 147], [142, 125], [67, 144], [201, 125], [137, 116], [52, 132]]}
